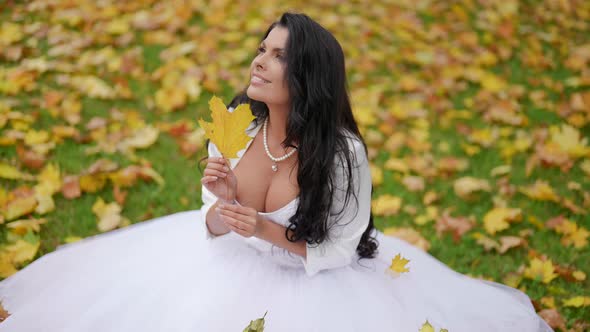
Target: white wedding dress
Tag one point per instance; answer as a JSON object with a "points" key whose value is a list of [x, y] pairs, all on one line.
{"points": [[170, 274]]}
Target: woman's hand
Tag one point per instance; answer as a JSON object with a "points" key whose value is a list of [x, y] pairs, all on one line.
{"points": [[241, 219], [219, 179]]}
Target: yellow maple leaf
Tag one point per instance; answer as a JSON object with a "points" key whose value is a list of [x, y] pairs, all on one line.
{"points": [[578, 238], [398, 265], [20, 206], [50, 178], [169, 99], [376, 174], [109, 215], [579, 275], [228, 129], [386, 205], [92, 182], [10, 33], [15, 254], [497, 219], [140, 139], [464, 187], [577, 301], [400, 165], [568, 139], [540, 270], [22, 226], [11, 172], [409, 235], [540, 191], [426, 327]]}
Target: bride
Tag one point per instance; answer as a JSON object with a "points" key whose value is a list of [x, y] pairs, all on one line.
{"points": [[285, 232]]}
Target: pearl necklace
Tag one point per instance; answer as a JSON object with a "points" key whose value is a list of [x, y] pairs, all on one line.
{"points": [[275, 160]]}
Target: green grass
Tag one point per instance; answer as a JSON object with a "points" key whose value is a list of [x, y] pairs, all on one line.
{"points": [[147, 200]]}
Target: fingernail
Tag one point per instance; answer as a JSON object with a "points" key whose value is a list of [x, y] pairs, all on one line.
{"points": [[215, 178], [225, 168]]}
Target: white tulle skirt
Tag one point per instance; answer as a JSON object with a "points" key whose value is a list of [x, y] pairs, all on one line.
{"points": [[162, 275]]}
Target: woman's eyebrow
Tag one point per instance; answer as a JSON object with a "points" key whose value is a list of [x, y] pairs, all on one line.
{"points": [[274, 49]]}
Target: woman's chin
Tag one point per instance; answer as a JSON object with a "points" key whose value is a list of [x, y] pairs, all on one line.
{"points": [[254, 93]]}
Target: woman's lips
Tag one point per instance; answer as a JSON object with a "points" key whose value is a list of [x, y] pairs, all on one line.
{"points": [[255, 80]]}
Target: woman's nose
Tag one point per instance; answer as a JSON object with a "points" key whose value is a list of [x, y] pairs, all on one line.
{"points": [[259, 62]]}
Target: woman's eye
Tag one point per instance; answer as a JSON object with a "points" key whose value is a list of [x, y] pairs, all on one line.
{"points": [[260, 49]]}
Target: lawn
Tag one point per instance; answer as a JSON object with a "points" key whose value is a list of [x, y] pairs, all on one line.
{"points": [[476, 115]]}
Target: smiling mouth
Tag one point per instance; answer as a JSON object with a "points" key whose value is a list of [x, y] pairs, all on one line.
{"points": [[259, 80]]}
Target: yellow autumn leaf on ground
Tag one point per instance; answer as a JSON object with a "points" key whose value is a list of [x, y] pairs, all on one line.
{"points": [[486, 242], [409, 235], [398, 265], [400, 165], [72, 239], [386, 205], [20, 206], [579, 275], [92, 86], [109, 215], [92, 182], [10, 33], [540, 191], [169, 99], [577, 301], [44, 199], [465, 187], [427, 327], [11, 172], [568, 139], [376, 174], [15, 254], [50, 178], [140, 139], [540, 270], [572, 234], [33, 137], [256, 325], [578, 237], [498, 219], [228, 129], [22, 226]]}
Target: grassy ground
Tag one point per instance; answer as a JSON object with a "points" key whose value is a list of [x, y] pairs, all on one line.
{"points": [[147, 200]]}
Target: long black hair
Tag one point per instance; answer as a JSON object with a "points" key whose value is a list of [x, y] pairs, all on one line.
{"points": [[317, 123]]}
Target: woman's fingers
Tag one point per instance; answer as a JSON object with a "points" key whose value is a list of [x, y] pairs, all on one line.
{"points": [[213, 172], [244, 210], [207, 179], [237, 230], [218, 166], [236, 223]]}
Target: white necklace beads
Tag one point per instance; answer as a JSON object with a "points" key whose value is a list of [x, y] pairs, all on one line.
{"points": [[275, 160]]}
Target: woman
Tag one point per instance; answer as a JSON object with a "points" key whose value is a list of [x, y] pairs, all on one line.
{"points": [[285, 229]]}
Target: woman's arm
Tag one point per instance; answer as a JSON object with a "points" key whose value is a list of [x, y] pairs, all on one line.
{"points": [[214, 223], [247, 222], [275, 234]]}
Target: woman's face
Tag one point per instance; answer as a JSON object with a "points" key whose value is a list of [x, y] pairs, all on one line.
{"points": [[267, 72]]}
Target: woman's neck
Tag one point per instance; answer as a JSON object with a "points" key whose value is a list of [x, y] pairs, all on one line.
{"points": [[277, 123]]}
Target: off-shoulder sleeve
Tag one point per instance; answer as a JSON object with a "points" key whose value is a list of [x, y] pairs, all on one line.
{"points": [[208, 197], [346, 233]]}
